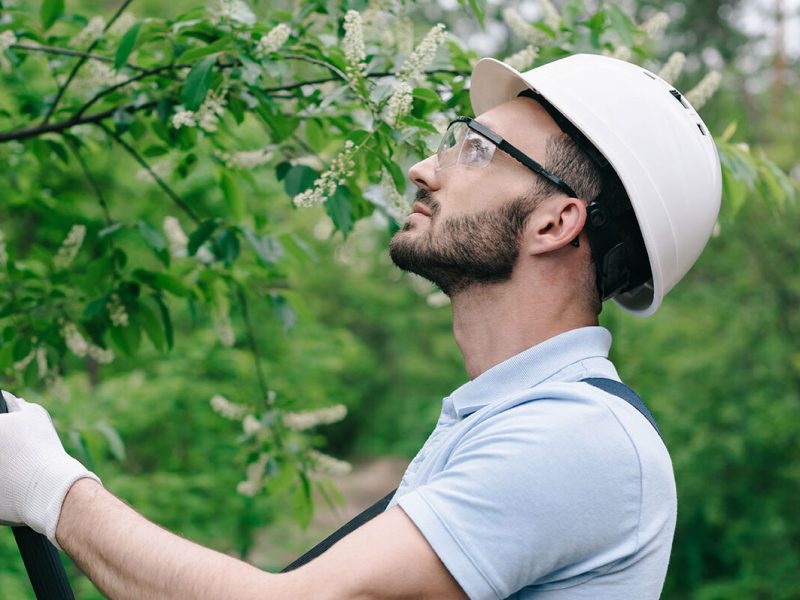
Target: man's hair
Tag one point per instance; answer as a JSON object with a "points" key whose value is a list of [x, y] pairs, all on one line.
{"points": [[564, 158]]}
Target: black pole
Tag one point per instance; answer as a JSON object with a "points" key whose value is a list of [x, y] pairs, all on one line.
{"points": [[47, 575]]}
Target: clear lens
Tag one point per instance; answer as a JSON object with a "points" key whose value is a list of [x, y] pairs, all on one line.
{"points": [[461, 145]]}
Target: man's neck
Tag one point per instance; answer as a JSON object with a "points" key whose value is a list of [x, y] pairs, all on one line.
{"points": [[492, 323]]}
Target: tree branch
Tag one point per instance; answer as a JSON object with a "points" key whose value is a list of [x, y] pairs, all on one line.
{"points": [[251, 340], [179, 202], [76, 68], [68, 52], [92, 181]]}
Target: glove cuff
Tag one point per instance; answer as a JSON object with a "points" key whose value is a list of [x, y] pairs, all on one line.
{"points": [[47, 490]]}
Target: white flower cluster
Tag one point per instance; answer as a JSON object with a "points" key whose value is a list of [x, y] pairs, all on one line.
{"points": [[223, 326], [550, 14], [622, 53], [325, 185], [116, 311], [403, 35], [248, 159], [93, 31], [99, 74], [230, 410], [399, 103], [176, 238], [306, 419], [69, 248], [673, 67], [7, 39], [655, 25], [328, 465], [41, 362], [396, 204], [207, 116], [3, 251], [353, 45], [522, 29], [275, 38], [251, 425], [524, 59], [702, 92], [235, 10], [122, 24], [22, 363], [255, 477], [161, 169], [423, 54], [78, 345]]}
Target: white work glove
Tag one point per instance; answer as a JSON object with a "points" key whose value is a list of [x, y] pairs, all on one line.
{"points": [[35, 471]]}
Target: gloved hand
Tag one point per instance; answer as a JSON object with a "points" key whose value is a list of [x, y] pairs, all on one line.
{"points": [[35, 471]]}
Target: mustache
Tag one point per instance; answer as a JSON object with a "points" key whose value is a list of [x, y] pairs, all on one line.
{"points": [[425, 198]]}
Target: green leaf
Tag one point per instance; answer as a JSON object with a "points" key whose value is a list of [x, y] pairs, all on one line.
{"points": [[339, 208], [115, 443], [229, 246], [302, 504], [233, 198], [154, 240], [162, 281], [22, 348], [195, 53], [167, 320], [197, 83], [127, 339], [201, 234], [151, 324], [621, 23], [50, 11], [298, 179], [126, 45]]}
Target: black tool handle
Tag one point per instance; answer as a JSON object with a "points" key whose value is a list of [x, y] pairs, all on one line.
{"points": [[47, 575]]}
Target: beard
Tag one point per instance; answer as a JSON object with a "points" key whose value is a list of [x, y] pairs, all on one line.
{"points": [[463, 251]]}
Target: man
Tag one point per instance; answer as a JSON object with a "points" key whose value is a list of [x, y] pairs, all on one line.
{"points": [[535, 482]]}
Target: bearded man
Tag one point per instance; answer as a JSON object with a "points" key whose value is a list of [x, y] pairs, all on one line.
{"points": [[545, 477]]}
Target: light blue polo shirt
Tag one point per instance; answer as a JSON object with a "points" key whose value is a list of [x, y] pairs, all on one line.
{"points": [[536, 485]]}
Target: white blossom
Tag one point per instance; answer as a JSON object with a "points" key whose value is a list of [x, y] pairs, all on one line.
{"points": [[325, 185], [74, 340], [99, 74], [275, 38], [93, 31], [235, 10], [251, 425], [100, 355], [702, 92], [223, 327], [116, 311], [550, 14], [160, 169], [21, 364], [300, 421], [230, 410], [58, 388], [122, 24], [524, 59], [41, 362], [404, 35], [673, 67], [7, 39], [622, 53], [70, 247], [437, 299], [353, 45], [3, 251], [399, 103], [522, 29], [396, 204], [183, 118], [255, 477], [423, 54], [211, 110], [248, 159], [328, 465], [655, 25], [176, 238]]}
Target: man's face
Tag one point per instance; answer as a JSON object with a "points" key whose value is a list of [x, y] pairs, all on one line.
{"points": [[467, 223]]}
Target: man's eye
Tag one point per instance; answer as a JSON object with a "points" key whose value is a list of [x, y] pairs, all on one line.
{"points": [[476, 150]]}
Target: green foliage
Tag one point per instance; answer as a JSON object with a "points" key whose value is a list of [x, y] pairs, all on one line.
{"points": [[117, 139]]}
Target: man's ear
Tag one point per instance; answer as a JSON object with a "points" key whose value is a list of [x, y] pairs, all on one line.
{"points": [[554, 224]]}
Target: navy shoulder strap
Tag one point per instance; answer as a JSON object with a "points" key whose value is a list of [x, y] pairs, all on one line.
{"points": [[621, 390], [607, 385]]}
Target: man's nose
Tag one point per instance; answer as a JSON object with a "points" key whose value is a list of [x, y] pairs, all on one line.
{"points": [[424, 174]]}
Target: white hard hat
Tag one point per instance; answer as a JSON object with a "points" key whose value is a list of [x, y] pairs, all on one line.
{"points": [[655, 141]]}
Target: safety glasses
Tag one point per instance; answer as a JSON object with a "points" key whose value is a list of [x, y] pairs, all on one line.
{"points": [[466, 142]]}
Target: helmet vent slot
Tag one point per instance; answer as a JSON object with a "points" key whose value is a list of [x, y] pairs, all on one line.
{"points": [[677, 95], [700, 127]]}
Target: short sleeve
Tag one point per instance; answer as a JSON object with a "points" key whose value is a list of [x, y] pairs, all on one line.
{"points": [[546, 491]]}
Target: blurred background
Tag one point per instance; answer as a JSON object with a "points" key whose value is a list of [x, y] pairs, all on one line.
{"points": [[337, 324]]}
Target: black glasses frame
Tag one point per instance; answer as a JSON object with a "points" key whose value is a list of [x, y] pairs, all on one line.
{"points": [[514, 152]]}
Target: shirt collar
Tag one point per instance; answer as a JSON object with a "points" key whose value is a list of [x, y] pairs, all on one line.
{"points": [[543, 362]]}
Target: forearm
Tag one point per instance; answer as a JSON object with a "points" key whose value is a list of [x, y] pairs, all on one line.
{"points": [[127, 556]]}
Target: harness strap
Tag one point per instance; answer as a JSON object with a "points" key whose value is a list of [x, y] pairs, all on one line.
{"points": [[611, 386]]}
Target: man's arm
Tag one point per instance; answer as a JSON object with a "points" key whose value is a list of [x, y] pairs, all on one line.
{"points": [[127, 556]]}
